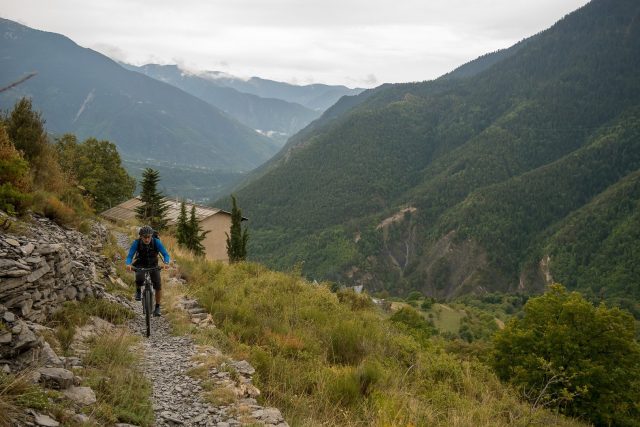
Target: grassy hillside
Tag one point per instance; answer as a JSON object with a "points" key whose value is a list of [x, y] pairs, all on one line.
{"points": [[328, 358]]}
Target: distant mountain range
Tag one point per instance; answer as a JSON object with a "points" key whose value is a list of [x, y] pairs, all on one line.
{"points": [[274, 117], [196, 128], [517, 169], [83, 92], [316, 97]]}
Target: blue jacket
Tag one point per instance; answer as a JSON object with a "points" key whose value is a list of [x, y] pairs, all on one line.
{"points": [[159, 247]]}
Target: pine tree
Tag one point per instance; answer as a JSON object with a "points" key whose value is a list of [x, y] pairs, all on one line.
{"points": [[182, 229], [195, 234], [237, 240], [153, 209], [25, 128]]}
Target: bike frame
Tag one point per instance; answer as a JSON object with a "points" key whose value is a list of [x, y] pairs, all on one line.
{"points": [[147, 295]]}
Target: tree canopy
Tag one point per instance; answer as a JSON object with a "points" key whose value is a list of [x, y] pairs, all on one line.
{"points": [[568, 354], [491, 161], [97, 166]]}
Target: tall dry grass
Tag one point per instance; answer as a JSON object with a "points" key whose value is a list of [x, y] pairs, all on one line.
{"points": [[123, 392], [334, 359], [17, 393]]}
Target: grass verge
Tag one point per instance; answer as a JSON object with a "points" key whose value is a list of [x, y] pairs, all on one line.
{"points": [[74, 314], [17, 393], [122, 391]]}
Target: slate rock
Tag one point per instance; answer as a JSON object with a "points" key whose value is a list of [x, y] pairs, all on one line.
{"points": [[45, 420], [59, 378], [81, 395]]}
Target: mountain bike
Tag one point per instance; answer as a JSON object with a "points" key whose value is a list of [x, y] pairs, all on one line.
{"points": [[147, 295]]}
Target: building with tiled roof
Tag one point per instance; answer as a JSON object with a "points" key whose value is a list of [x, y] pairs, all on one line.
{"points": [[214, 220]]}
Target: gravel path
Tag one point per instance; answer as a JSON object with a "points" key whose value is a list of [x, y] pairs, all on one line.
{"points": [[176, 396]]}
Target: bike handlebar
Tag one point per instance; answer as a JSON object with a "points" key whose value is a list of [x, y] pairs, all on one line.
{"points": [[144, 269]]}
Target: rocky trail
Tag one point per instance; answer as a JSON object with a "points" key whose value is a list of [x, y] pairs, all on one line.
{"points": [[177, 397]]}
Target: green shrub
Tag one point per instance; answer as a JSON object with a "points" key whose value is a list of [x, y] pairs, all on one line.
{"points": [[343, 387], [14, 176], [12, 200], [353, 300], [415, 296], [427, 304], [368, 374], [413, 320], [580, 359]]}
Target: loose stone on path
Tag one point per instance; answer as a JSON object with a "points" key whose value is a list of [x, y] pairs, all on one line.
{"points": [[176, 396]]}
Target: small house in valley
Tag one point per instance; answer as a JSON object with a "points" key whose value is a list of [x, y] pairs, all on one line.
{"points": [[214, 220]]}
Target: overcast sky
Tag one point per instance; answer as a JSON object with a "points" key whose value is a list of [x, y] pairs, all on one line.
{"points": [[360, 43]]}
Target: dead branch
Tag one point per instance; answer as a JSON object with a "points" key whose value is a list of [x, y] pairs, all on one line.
{"points": [[14, 84]]}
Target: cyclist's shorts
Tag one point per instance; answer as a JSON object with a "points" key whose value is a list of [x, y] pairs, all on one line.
{"points": [[155, 279]]}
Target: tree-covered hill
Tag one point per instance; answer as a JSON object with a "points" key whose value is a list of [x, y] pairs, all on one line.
{"points": [[83, 92], [595, 249], [480, 163]]}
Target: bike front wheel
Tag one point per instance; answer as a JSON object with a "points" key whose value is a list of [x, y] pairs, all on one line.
{"points": [[147, 308]]}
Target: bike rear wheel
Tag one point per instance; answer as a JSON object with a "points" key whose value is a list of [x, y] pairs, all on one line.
{"points": [[147, 309]]}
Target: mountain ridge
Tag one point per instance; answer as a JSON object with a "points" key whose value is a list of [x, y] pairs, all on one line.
{"points": [[273, 117], [438, 146]]}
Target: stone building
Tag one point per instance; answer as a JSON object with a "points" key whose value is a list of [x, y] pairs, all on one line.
{"points": [[214, 220]]}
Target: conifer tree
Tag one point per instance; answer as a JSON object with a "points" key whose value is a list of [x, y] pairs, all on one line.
{"points": [[25, 128], [153, 209], [237, 240], [182, 229], [195, 234]]}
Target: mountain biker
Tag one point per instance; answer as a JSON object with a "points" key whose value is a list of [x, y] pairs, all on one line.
{"points": [[146, 250]]}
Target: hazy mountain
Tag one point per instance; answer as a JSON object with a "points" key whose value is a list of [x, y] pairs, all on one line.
{"points": [[315, 96], [483, 179], [81, 91], [276, 118]]}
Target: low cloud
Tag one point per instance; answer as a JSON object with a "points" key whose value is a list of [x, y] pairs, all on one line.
{"points": [[334, 41]]}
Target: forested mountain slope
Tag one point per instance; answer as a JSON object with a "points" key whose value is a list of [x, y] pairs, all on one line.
{"points": [[85, 93], [477, 169]]}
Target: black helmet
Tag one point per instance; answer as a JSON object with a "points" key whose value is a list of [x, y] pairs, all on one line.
{"points": [[145, 230]]}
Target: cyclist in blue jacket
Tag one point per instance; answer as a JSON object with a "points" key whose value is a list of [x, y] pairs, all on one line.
{"points": [[146, 250]]}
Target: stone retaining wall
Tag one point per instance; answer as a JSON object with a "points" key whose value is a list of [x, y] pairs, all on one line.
{"points": [[41, 267]]}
